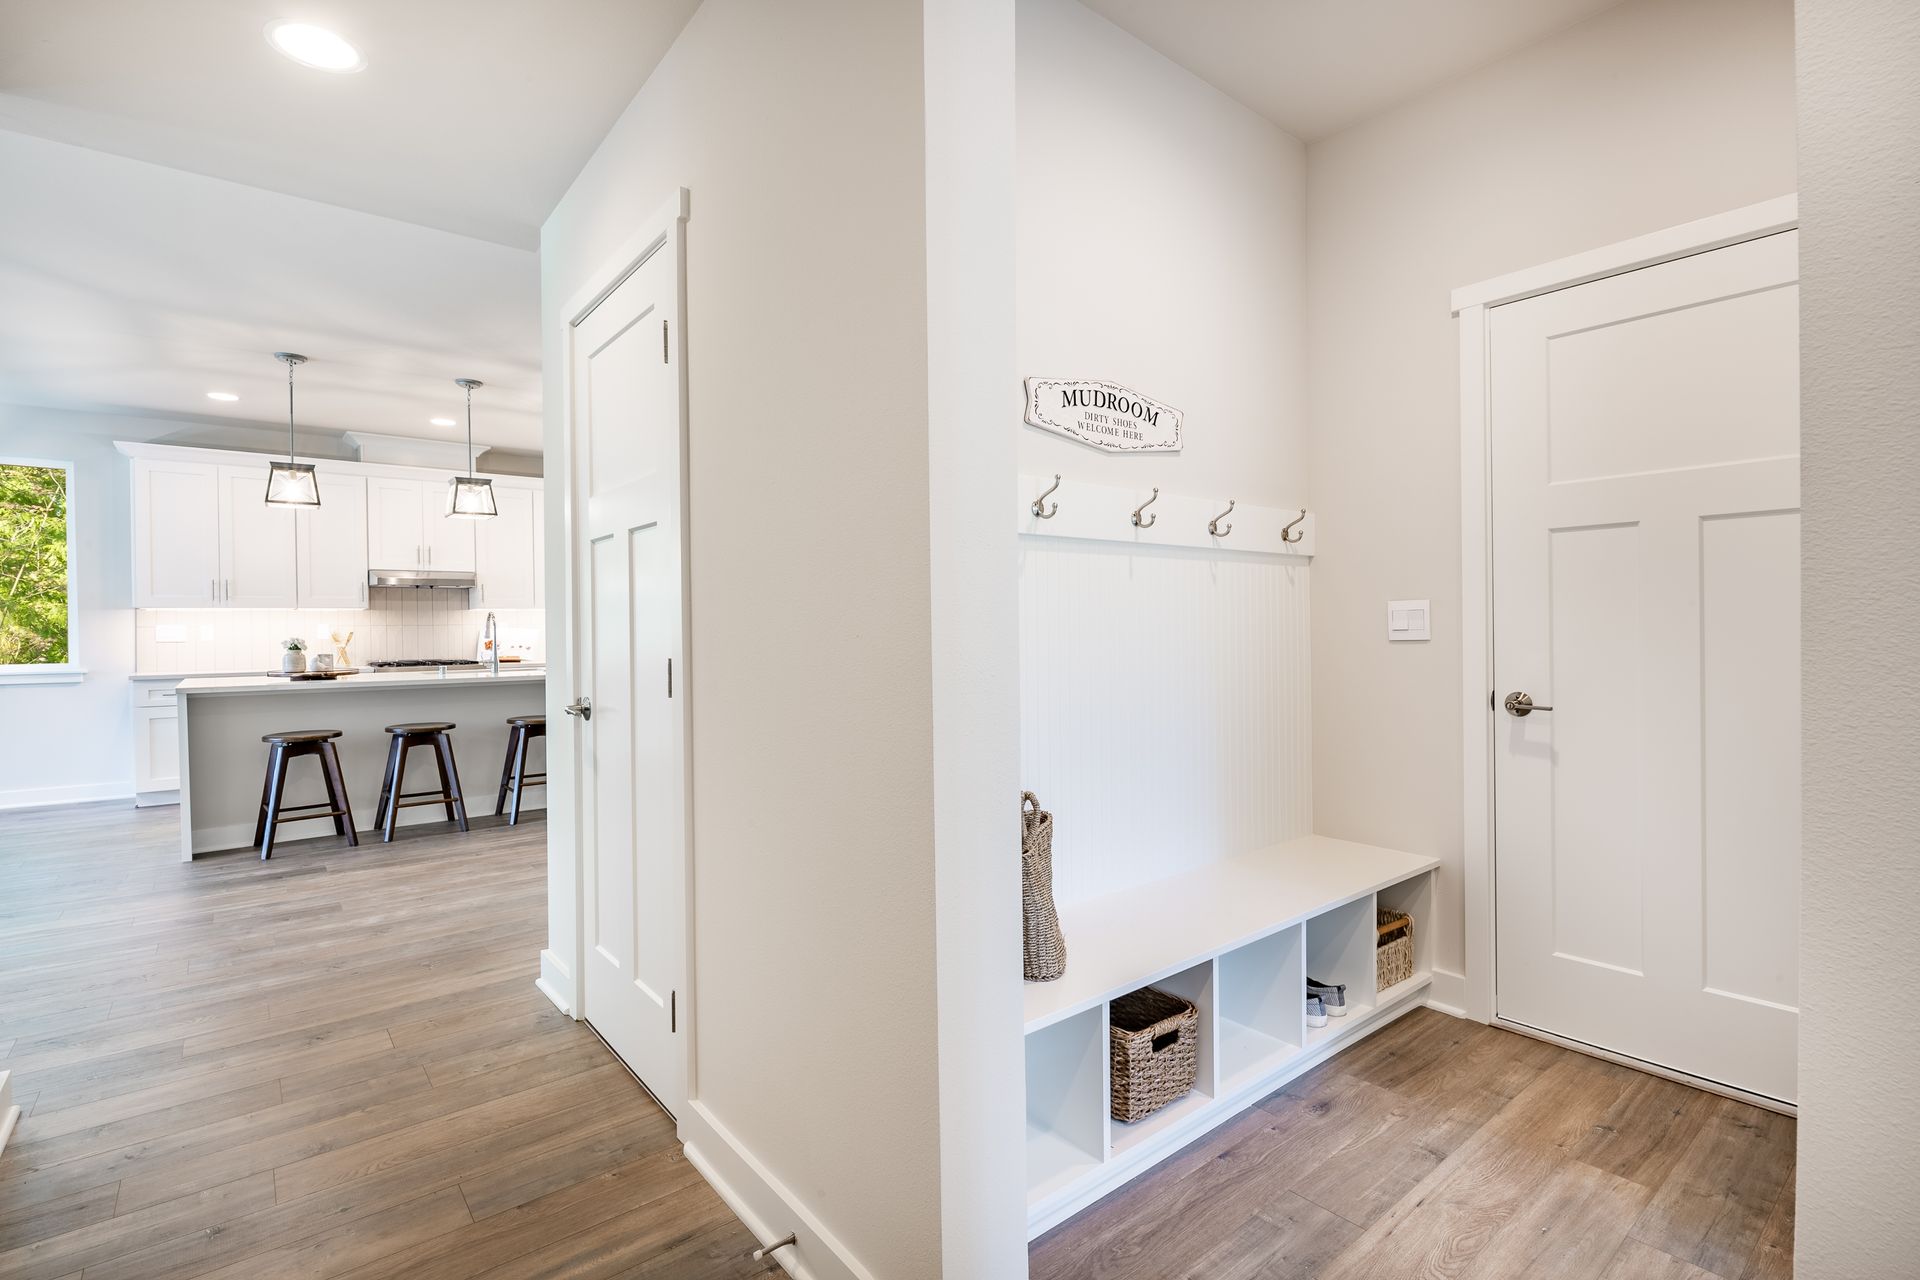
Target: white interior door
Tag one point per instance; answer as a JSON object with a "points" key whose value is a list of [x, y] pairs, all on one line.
{"points": [[1646, 570], [628, 627]]}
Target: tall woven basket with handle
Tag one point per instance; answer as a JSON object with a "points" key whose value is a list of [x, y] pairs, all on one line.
{"points": [[1045, 949]]}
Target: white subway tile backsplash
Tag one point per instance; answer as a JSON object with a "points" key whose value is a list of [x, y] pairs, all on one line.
{"points": [[397, 623]]}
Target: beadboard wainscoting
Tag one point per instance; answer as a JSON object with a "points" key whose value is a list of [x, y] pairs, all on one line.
{"points": [[1165, 714]]}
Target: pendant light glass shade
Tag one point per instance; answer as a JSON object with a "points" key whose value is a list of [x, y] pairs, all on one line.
{"points": [[470, 497], [290, 483]]}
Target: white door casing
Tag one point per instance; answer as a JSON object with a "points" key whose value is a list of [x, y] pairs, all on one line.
{"points": [[628, 622], [1644, 485]]}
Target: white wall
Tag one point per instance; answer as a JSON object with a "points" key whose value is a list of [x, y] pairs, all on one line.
{"points": [[1859, 1181], [1161, 244], [799, 132], [1651, 114], [87, 752]]}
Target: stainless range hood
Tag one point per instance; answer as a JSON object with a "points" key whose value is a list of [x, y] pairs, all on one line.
{"points": [[420, 579]]}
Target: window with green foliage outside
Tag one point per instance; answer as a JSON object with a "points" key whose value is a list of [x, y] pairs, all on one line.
{"points": [[33, 564]]}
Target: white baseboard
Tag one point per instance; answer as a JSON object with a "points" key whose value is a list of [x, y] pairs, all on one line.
{"points": [[1449, 993], [78, 793], [9, 1114], [556, 984], [767, 1206]]}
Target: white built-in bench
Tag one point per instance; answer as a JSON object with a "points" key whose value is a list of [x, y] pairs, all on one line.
{"points": [[1238, 938]]}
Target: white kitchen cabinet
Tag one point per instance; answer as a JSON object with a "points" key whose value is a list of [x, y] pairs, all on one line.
{"points": [[507, 551], [330, 557], [176, 534], [156, 743], [256, 543], [407, 527]]}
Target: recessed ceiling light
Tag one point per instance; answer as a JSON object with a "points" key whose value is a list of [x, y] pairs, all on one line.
{"points": [[221, 395], [314, 46], [443, 422]]}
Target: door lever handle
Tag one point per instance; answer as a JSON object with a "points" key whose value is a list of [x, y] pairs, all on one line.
{"points": [[582, 708], [1520, 704]]}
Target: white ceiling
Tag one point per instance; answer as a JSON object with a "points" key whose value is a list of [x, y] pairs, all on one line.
{"points": [[1314, 67], [471, 116], [130, 287]]}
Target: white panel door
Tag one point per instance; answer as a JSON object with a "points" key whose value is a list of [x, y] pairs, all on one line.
{"points": [[449, 540], [396, 537], [256, 543], [331, 560], [505, 551], [1646, 568], [176, 534], [628, 628]]}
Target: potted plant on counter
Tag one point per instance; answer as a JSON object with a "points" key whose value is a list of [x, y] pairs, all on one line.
{"points": [[294, 660]]}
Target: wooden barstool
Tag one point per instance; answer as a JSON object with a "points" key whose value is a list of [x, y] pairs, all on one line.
{"points": [[282, 747], [393, 793], [513, 775]]}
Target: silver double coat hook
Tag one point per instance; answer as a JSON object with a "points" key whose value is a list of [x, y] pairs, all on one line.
{"points": [[1138, 523]]}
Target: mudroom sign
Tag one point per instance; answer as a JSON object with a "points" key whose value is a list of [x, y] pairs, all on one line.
{"points": [[1104, 415]]}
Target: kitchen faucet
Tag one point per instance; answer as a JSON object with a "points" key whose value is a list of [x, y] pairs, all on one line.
{"points": [[491, 634]]}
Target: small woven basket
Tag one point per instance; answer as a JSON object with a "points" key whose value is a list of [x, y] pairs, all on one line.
{"points": [[1045, 948], [1154, 1038], [1394, 957]]}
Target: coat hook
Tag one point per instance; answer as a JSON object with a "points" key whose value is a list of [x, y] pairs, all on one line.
{"points": [[1213, 525], [1296, 537], [1138, 523], [1041, 501]]}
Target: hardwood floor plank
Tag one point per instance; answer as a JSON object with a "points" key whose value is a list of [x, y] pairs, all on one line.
{"points": [[331, 1253], [1644, 1135], [1569, 1230], [1713, 1207], [24, 1221], [1637, 1261], [117, 1236], [1772, 1257], [1290, 1239]]}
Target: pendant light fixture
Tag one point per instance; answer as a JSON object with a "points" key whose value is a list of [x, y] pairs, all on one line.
{"points": [[290, 483], [470, 497]]}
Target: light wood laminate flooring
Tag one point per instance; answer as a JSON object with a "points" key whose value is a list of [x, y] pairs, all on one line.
{"points": [[1438, 1149], [331, 1064]]}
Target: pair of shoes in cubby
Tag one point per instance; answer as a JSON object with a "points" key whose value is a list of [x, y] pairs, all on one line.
{"points": [[1324, 1000]]}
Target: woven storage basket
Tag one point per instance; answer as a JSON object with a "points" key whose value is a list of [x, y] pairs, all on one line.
{"points": [[1045, 949], [1154, 1038], [1394, 958]]}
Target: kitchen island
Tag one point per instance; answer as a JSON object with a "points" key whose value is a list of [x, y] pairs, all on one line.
{"points": [[223, 762]]}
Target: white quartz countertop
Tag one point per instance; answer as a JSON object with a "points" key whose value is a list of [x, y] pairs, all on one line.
{"points": [[373, 681]]}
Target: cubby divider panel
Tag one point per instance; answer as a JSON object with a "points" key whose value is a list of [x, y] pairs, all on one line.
{"points": [[1066, 1100], [1339, 949], [1262, 1016]]}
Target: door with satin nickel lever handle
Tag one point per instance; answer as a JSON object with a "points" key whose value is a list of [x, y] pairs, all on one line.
{"points": [[1521, 704], [582, 708]]}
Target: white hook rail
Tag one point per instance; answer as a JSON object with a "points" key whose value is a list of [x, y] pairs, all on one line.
{"points": [[1107, 513]]}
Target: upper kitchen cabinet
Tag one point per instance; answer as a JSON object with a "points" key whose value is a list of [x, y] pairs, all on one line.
{"points": [[507, 551], [331, 562], [204, 537], [407, 527], [176, 534], [256, 543]]}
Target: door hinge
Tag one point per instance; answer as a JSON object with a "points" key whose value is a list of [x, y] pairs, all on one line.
{"points": [[673, 1012], [663, 342], [669, 677]]}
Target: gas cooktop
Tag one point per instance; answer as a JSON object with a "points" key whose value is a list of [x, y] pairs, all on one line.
{"points": [[427, 662]]}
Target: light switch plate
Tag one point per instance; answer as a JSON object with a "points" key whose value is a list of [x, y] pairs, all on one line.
{"points": [[1409, 620]]}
